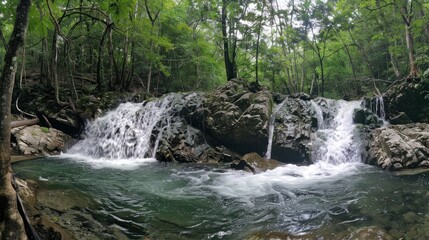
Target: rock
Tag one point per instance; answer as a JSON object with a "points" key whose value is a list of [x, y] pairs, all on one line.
{"points": [[260, 164], [281, 236], [40, 140], [409, 99], [234, 109], [399, 146], [366, 117], [400, 118], [359, 116], [294, 127], [253, 162], [367, 233]]}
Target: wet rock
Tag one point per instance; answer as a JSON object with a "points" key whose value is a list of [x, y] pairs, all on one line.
{"points": [[366, 117], [294, 126], [259, 163], [280, 236], [399, 146], [367, 233], [40, 140], [231, 111]]}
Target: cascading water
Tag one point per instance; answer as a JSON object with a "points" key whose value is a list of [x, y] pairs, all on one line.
{"points": [[191, 201], [377, 107], [128, 134], [336, 144], [271, 128]]}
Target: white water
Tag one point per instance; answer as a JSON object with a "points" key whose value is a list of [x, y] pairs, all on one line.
{"points": [[336, 153], [336, 144], [271, 128], [122, 138], [379, 109]]}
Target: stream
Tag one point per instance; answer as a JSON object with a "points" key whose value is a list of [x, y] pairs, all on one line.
{"points": [[129, 190]]}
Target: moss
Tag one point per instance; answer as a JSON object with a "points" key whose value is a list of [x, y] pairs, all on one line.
{"points": [[44, 129]]}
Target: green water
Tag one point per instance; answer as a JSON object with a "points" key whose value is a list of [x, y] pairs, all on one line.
{"points": [[173, 201]]}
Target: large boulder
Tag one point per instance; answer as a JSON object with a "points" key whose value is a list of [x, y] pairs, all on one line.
{"points": [[407, 103], [33, 140], [399, 146], [236, 117], [294, 125]]}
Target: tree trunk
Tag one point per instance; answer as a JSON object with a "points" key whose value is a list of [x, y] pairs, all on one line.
{"points": [[414, 72], [11, 224], [3, 40], [257, 44], [394, 65], [322, 76], [54, 67], [100, 80], [229, 66]]}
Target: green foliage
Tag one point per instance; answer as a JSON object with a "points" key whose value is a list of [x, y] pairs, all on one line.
{"points": [[178, 45]]}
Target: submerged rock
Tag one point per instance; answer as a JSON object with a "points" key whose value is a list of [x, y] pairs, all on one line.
{"points": [[399, 147], [367, 233]]}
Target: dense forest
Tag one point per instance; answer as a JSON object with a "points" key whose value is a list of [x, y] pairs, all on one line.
{"points": [[338, 48], [60, 59]]}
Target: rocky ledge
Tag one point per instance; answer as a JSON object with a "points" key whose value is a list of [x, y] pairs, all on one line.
{"points": [[37, 140], [399, 147]]}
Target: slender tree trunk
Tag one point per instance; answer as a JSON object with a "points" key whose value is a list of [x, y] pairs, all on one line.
{"points": [[11, 224], [231, 71], [394, 65], [3, 39], [124, 62], [414, 72], [322, 76], [257, 43], [100, 80], [54, 68], [112, 60]]}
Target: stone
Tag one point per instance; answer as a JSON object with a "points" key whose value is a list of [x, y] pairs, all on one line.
{"points": [[399, 147], [260, 164], [367, 233], [232, 110], [407, 101], [40, 140], [400, 118], [359, 116]]}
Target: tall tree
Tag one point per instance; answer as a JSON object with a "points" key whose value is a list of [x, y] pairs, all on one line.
{"points": [[11, 224]]}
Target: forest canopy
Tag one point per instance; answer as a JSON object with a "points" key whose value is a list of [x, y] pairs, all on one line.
{"points": [[333, 48]]}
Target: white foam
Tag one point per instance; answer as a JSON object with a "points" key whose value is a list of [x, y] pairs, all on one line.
{"points": [[99, 163], [282, 181]]}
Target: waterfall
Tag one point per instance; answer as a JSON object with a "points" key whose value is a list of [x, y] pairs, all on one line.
{"points": [[128, 131], [271, 128], [379, 105], [319, 115], [336, 144]]}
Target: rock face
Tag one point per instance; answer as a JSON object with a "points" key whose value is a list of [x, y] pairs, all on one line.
{"points": [[237, 117], [399, 146], [407, 103], [39, 140], [294, 125]]}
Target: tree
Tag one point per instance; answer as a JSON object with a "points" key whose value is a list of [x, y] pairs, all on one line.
{"points": [[12, 226]]}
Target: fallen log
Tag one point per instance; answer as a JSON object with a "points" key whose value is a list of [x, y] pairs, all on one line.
{"points": [[21, 123]]}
